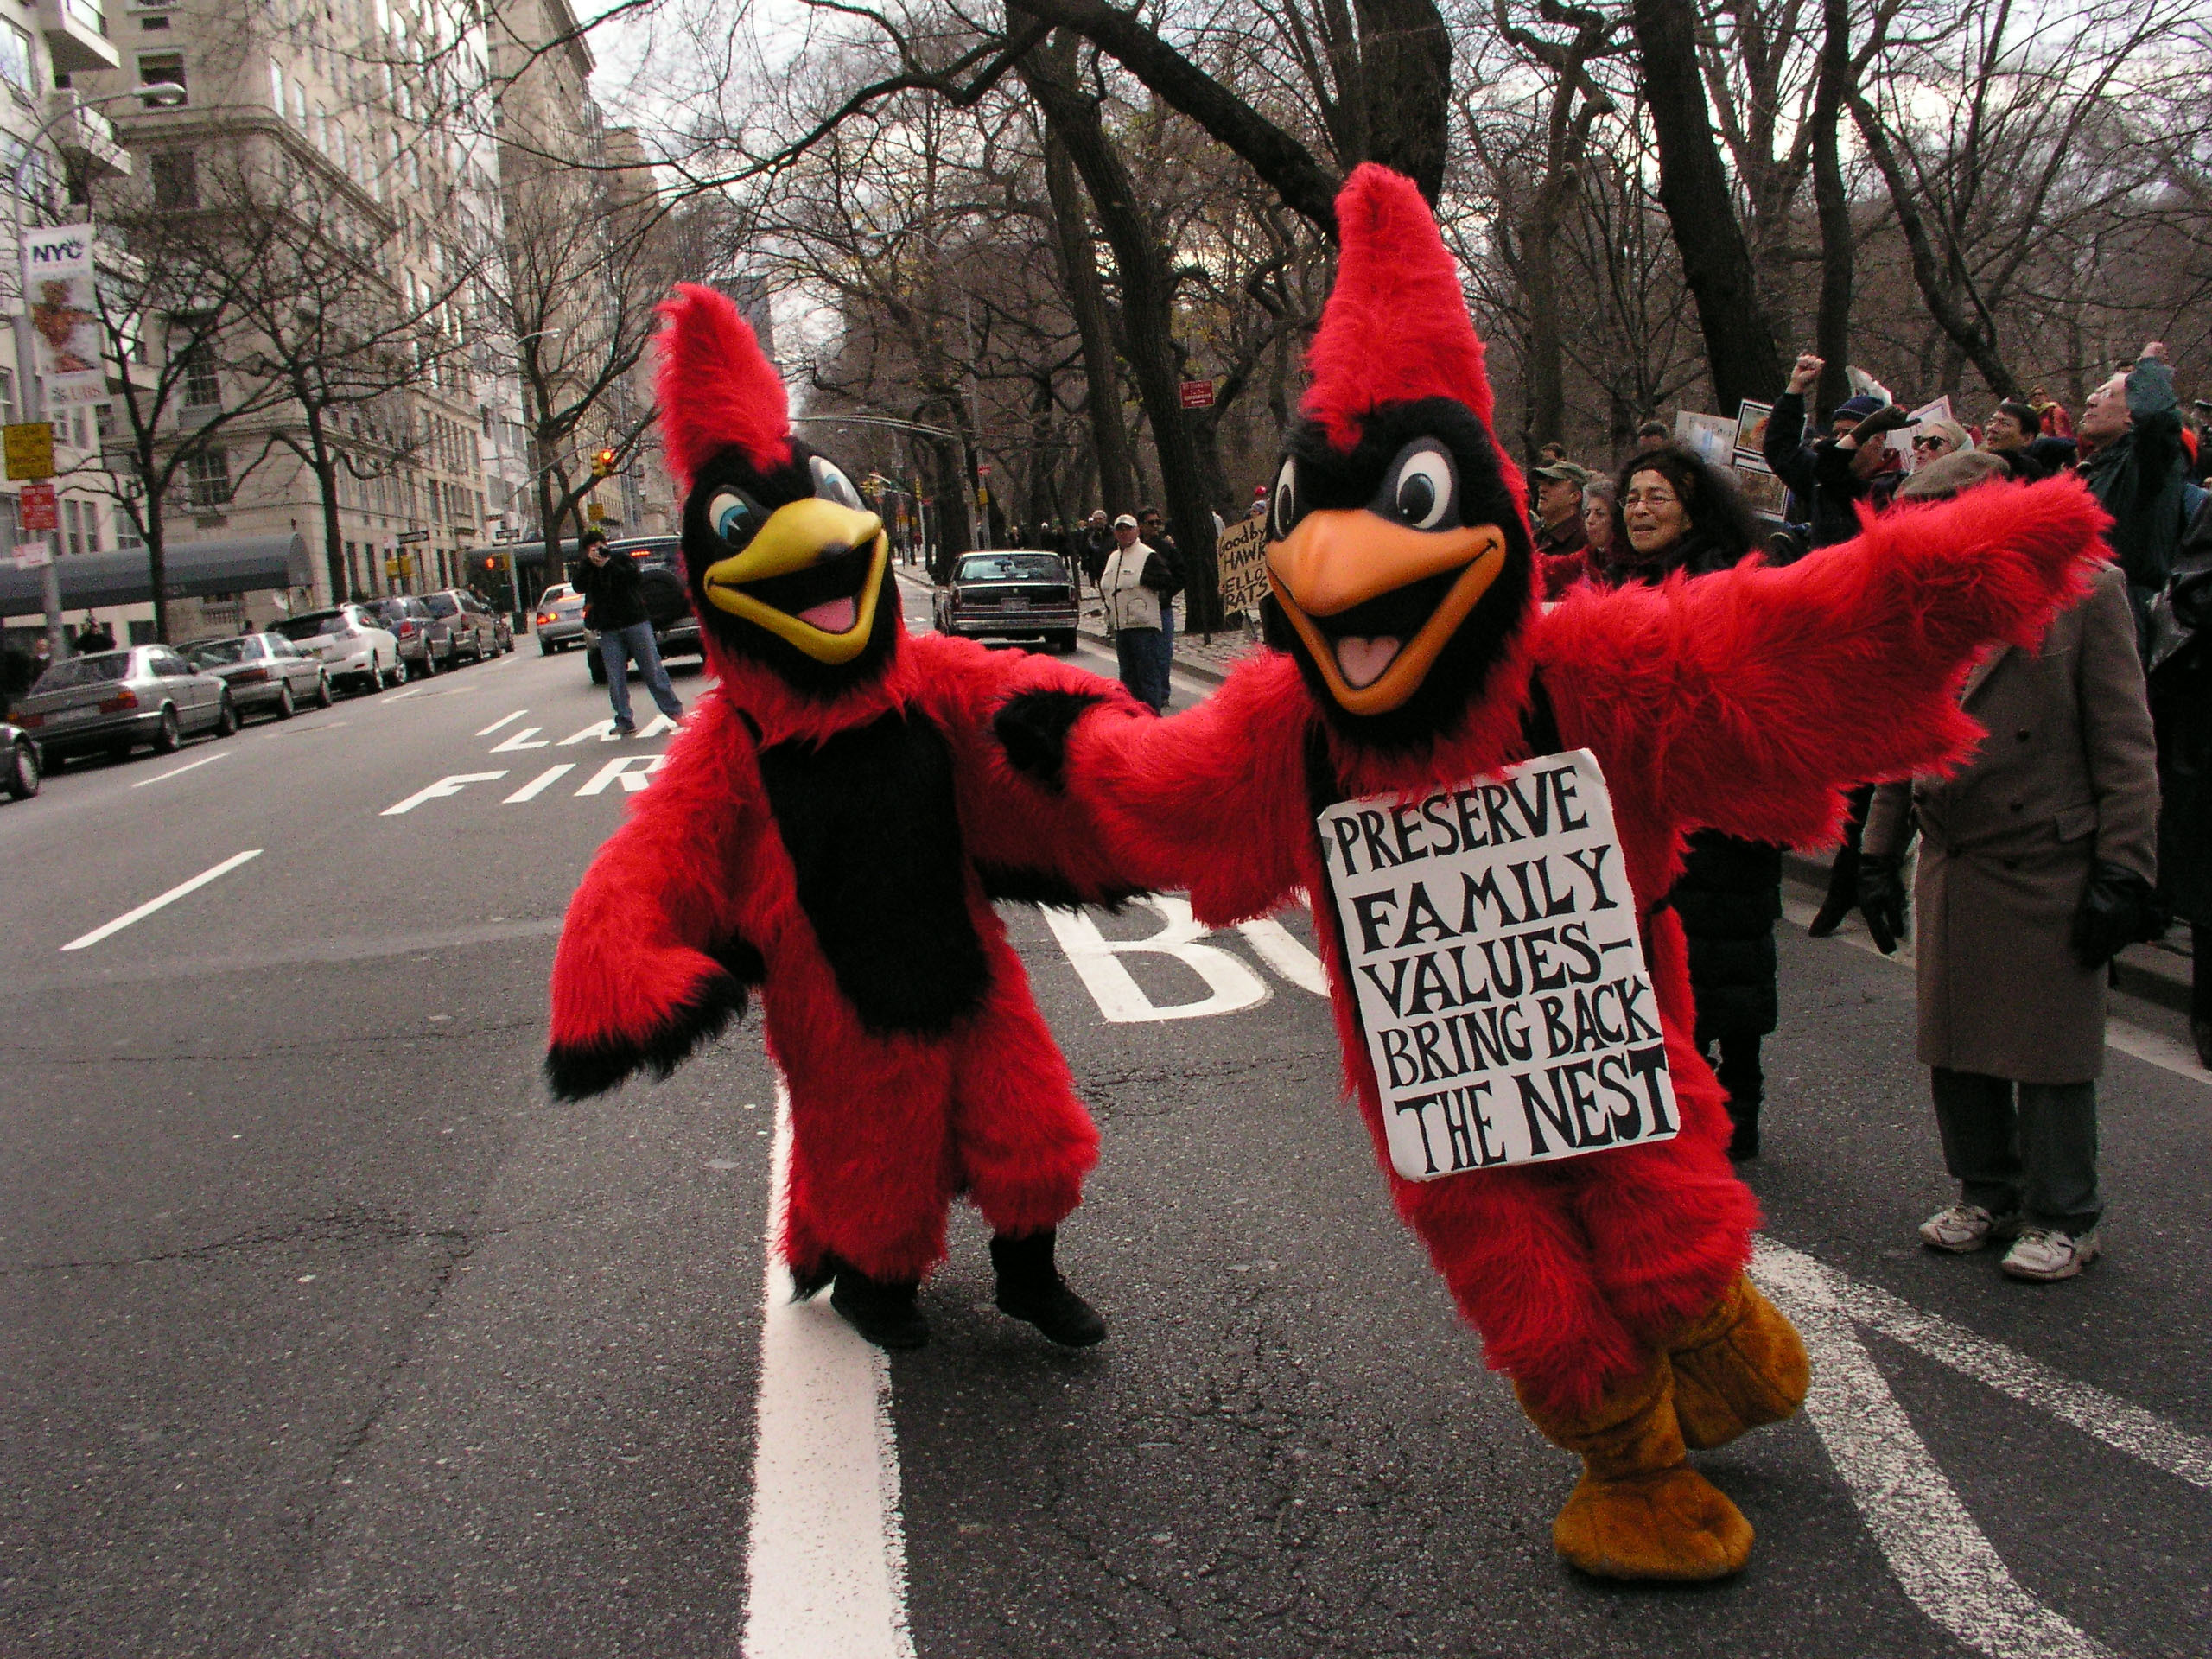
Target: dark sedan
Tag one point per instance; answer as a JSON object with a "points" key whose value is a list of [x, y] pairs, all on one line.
{"points": [[266, 672], [408, 619], [1013, 596], [115, 700]]}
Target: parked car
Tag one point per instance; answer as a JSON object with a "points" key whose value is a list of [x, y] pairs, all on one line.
{"points": [[408, 619], [354, 645], [266, 672], [668, 601], [1017, 595], [560, 618], [461, 624], [24, 764], [115, 700]]}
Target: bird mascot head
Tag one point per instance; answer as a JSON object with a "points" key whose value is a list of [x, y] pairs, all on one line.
{"points": [[789, 571], [1399, 563]]}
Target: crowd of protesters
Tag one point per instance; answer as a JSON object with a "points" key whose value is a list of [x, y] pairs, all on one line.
{"points": [[2083, 823]]}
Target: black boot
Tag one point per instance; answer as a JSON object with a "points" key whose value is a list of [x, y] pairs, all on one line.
{"points": [[1744, 1139], [1030, 1288], [882, 1311], [809, 1283]]}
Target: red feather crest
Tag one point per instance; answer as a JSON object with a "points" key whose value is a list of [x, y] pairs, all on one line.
{"points": [[1395, 327], [716, 387]]}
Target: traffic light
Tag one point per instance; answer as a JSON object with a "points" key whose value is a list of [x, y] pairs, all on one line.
{"points": [[490, 564], [602, 464]]}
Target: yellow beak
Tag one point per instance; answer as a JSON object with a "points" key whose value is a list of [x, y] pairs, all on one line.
{"points": [[799, 535], [1333, 561]]}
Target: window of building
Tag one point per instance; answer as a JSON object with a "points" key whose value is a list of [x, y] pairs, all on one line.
{"points": [[203, 384], [8, 397], [18, 62], [81, 428], [176, 175], [210, 472], [277, 85], [161, 69], [73, 527]]}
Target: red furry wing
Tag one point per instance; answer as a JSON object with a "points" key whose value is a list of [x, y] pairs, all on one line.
{"points": [[649, 963], [1742, 700]]}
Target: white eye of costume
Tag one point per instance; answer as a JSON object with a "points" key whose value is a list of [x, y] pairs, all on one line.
{"points": [[734, 517], [831, 484], [1423, 494], [1283, 509]]}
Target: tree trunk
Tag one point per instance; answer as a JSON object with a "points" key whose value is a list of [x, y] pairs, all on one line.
{"points": [[1831, 328], [1406, 80], [1927, 267], [318, 462], [1739, 342], [157, 567], [1147, 306], [1087, 301]]}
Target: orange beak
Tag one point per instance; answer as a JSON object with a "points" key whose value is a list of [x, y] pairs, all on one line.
{"points": [[1333, 561]]}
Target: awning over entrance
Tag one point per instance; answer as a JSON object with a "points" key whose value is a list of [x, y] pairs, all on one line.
{"points": [[192, 569]]}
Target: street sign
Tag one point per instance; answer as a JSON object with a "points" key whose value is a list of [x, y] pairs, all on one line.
{"points": [[38, 509], [31, 556], [1198, 394], [597, 512], [407, 537], [29, 447]]}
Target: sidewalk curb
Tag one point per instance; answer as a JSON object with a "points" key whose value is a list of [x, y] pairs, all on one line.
{"points": [[2148, 971]]}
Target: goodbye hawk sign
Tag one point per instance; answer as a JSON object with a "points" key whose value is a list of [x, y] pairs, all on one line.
{"points": [[1491, 937]]}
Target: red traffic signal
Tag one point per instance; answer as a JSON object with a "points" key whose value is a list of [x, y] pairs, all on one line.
{"points": [[602, 464]]}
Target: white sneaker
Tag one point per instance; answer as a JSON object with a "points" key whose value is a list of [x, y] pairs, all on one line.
{"points": [[2045, 1254], [1959, 1228]]}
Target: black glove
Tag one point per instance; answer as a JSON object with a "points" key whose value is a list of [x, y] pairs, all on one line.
{"points": [[1884, 420], [2118, 908], [1881, 898]]}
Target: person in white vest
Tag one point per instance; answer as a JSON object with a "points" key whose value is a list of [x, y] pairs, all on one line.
{"points": [[1133, 587]]}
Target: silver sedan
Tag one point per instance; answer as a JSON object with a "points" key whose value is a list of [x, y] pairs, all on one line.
{"points": [[115, 700], [266, 672], [560, 618]]}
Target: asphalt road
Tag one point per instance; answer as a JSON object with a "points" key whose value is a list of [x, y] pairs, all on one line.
{"points": [[324, 1332]]}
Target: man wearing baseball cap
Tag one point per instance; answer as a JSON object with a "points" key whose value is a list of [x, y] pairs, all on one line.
{"points": [[1858, 430], [1562, 544], [1134, 586]]}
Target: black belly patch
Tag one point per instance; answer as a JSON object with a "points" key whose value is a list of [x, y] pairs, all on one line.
{"points": [[869, 820]]}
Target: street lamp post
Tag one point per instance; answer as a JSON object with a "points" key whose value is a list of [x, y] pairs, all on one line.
{"points": [[159, 97]]}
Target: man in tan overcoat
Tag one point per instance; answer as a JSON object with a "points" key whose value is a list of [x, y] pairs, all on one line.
{"points": [[2037, 863]]}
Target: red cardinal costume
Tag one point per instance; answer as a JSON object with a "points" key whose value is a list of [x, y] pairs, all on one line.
{"points": [[831, 825], [1412, 654]]}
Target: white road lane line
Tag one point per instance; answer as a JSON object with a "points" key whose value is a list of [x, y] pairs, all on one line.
{"points": [[2106, 1417], [504, 719], [537, 785], [2153, 1047], [402, 697], [168, 898], [825, 1565], [178, 771], [1942, 1558], [452, 783]]}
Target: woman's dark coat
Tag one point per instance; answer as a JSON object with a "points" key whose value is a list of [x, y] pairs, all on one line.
{"points": [[2181, 709]]}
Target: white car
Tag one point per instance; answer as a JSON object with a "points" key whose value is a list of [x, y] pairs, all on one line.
{"points": [[352, 644]]}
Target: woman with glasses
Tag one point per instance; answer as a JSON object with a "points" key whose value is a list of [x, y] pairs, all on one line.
{"points": [[1674, 513]]}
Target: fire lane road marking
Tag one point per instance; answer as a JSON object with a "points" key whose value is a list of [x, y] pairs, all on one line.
{"points": [[168, 898], [451, 785], [504, 719], [825, 1556], [539, 785], [174, 772]]}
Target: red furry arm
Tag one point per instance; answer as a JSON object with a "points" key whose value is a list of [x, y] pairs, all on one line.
{"points": [[1741, 700], [1029, 838], [1213, 800], [650, 962]]}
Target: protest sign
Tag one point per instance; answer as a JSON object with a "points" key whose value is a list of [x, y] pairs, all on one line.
{"points": [[1241, 551], [1493, 942], [1711, 438], [1750, 437]]}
